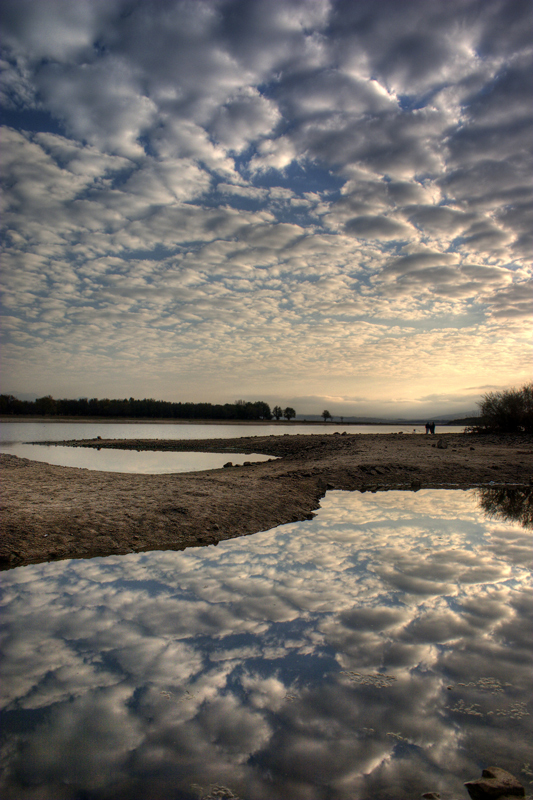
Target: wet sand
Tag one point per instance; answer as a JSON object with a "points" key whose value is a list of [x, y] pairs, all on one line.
{"points": [[52, 512]]}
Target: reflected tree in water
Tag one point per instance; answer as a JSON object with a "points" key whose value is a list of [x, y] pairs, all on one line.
{"points": [[510, 504]]}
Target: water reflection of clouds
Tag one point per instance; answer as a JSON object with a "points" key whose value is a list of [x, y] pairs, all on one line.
{"points": [[514, 544], [143, 462], [236, 664]]}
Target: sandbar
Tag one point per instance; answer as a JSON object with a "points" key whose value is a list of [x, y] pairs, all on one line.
{"points": [[51, 512]]}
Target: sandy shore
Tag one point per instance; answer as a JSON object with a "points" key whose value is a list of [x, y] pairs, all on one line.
{"points": [[52, 512]]}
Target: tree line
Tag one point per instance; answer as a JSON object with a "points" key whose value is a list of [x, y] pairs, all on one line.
{"points": [[141, 409]]}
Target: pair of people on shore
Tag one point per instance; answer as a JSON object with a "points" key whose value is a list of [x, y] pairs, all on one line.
{"points": [[430, 427]]}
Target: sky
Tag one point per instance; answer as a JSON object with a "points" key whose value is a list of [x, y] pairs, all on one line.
{"points": [[321, 203]]}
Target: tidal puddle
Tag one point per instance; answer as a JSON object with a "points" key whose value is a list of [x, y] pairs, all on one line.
{"points": [[381, 650], [144, 462]]}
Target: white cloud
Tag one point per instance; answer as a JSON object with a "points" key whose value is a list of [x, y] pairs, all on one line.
{"points": [[374, 227], [362, 135], [273, 154], [101, 102], [55, 30], [244, 119]]}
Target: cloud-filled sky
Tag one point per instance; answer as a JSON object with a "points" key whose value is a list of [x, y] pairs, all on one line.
{"points": [[321, 202]]}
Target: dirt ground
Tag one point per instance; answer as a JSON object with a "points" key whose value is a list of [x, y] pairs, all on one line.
{"points": [[52, 512]]}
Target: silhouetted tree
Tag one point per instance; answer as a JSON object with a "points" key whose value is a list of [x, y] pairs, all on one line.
{"points": [[509, 411], [240, 408], [46, 405], [12, 405], [326, 415], [261, 410], [289, 413], [277, 411]]}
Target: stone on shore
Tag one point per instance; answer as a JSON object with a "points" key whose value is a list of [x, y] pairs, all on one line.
{"points": [[495, 784]]}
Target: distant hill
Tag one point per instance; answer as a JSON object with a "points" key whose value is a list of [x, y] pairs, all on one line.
{"points": [[443, 419]]}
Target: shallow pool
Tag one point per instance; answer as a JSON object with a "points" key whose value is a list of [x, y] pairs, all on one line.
{"points": [[381, 650], [143, 462]]}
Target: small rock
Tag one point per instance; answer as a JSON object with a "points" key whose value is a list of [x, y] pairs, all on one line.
{"points": [[431, 795], [441, 444], [229, 464], [220, 793], [495, 783]]}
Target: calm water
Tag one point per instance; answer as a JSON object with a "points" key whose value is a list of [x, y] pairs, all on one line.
{"points": [[145, 463], [381, 650], [13, 436], [60, 431]]}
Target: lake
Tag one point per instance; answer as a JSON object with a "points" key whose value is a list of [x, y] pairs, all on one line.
{"points": [[14, 435], [380, 650]]}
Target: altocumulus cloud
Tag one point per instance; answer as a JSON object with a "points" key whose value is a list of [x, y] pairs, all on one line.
{"points": [[281, 199]]}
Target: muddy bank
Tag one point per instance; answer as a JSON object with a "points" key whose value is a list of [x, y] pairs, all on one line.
{"points": [[52, 512]]}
